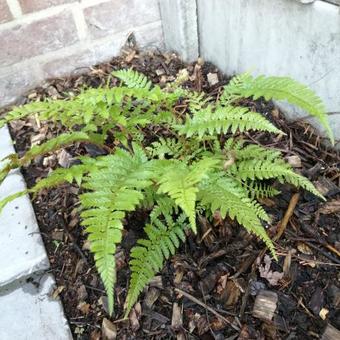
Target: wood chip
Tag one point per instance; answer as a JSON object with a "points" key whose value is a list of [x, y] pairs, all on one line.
{"points": [[151, 297], [330, 207], [326, 187], [331, 333], [212, 79], [265, 305], [177, 317], [156, 282], [323, 313], [64, 159]]}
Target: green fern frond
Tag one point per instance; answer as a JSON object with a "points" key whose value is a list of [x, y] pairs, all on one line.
{"points": [[114, 187], [54, 144], [226, 195], [224, 119], [75, 173], [186, 168], [164, 206], [55, 178], [61, 141], [280, 88], [259, 169], [180, 183], [133, 79], [148, 256], [251, 151], [11, 198], [165, 147]]}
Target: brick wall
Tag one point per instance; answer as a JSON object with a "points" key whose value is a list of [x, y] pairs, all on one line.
{"points": [[40, 39]]}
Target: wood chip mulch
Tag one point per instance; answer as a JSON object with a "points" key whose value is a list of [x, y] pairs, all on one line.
{"points": [[221, 284]]}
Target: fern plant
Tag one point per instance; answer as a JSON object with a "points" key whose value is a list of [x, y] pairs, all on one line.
{"points": [[186, 165]]}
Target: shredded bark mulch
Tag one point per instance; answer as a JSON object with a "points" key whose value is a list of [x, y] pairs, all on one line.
{"points": [[221, 284]]}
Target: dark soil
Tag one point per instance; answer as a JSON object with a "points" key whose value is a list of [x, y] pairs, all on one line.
{"points": [[223, 267]]}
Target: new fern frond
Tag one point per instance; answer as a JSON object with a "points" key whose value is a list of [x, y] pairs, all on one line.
{"points": [[186, 167]]}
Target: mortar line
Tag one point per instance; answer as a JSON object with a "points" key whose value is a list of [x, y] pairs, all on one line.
{"points": [[15, 8]]}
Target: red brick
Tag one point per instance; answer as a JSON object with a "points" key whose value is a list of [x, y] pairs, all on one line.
{"points": [[5, 14], [28, 6], [120, 15], [39, 37]]}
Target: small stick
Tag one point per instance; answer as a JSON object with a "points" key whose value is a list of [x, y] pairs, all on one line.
{"points": [[287, 216], [200, 303], [332, 249]]}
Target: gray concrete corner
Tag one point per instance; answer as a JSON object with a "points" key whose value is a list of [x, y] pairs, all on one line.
{"points": [[180, 28], [26, 307]]}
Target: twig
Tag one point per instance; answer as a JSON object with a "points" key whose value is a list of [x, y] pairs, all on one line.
{"points": [[211, 310], [287, 216], [332, 258]]}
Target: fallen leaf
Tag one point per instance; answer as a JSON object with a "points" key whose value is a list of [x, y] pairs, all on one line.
{"points": [[57, 235], [86, 245], [217, 324], [231, 294], [294, 161], [151, 297], [84, 307], [273, 277], [221, 284], [134, 316], [95, 335], [109, 330], [82, 293], [304, 248]]}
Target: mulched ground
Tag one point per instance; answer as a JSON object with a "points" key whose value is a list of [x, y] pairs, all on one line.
{"points": [[208, 290]]}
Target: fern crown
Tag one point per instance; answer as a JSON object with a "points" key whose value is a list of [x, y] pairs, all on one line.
{"points": [[187, 166]]}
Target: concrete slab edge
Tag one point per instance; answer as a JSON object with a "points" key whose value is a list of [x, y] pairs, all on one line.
{"points": [[22, 258]]}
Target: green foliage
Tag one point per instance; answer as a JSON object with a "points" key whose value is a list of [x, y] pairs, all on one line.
{"points": [[169, 164], [278, 88], [223, 119], [147, 258]]}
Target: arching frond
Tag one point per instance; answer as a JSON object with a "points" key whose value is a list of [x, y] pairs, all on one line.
{"points": [[113, 188], [226, 195], [279, 88], [147, 258]]}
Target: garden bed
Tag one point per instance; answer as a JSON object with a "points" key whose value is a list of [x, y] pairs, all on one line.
{"points": [[222, 269]]}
